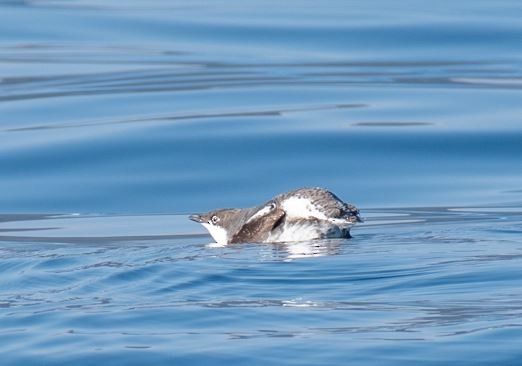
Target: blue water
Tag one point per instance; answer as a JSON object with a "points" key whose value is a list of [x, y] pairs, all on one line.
{"points": [[119, 118]]}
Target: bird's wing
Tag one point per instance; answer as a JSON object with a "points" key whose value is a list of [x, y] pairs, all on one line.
{"points": [[258, 229]]}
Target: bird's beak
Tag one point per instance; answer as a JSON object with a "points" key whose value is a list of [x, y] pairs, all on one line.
{"points": [[196, 218]]}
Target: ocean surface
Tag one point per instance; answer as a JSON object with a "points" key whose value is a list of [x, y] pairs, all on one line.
{"points": [[119, 118]]}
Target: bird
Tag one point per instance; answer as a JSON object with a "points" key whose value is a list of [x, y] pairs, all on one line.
{"points": [[299, 215]]}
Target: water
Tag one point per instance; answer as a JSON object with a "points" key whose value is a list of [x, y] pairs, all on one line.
{"points": [[119, 118]]}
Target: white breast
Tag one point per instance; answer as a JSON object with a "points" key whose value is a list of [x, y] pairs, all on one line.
{"points": [[293, 233], [303, 231]]}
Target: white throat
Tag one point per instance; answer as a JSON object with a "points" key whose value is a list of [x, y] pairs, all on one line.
{"points": [[218, 233]]}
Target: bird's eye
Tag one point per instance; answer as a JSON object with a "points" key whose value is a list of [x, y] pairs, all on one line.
{"points": [[272, 206], [215, 219]]}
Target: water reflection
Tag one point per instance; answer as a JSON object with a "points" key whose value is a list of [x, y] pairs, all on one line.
{"points": [[306, 249], [395, 280]]}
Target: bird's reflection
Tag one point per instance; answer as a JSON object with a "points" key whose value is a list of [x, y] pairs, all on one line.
{"points": [[312, 248]]}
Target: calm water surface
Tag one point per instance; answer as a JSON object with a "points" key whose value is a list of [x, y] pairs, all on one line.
{"points": [[119, 118]]}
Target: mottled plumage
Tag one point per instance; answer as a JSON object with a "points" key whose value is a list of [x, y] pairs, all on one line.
{"points": [[302, 214]]}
